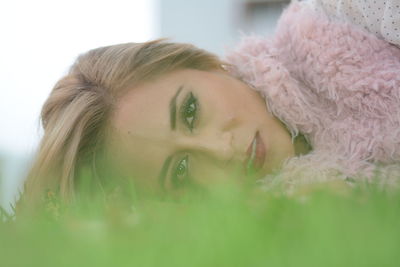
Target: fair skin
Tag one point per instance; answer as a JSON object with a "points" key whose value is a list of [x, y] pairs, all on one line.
{"points": [[206, 139]]}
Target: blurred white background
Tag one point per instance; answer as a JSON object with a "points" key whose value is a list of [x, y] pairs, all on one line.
{"points": [[41, 39]]}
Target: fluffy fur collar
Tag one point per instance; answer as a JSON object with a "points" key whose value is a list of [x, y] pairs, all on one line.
{"points": [[335, 83]]}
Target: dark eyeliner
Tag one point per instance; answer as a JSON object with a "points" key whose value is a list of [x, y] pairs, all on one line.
{"points": [[181, 172], [188, 111]]}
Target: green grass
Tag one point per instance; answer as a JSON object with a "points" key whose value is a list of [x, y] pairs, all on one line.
{"points": [[227, 227]]}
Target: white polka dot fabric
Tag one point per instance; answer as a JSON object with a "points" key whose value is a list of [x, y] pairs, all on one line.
{"points": [[380, 17]]}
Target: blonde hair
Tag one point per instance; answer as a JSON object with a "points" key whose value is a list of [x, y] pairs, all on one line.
{"points": [[75, 116]]}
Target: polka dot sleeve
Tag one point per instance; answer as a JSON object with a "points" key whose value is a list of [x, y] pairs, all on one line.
{"points": [[380, 17]]}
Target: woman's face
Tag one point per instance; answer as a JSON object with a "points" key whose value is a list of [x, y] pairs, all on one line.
{"points": [[192, 127]]}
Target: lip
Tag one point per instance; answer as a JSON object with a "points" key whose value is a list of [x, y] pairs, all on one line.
{"points": [[255, 154]]}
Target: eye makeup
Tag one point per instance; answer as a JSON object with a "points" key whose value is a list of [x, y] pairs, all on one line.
{"points": [[188, 115], [180, 175], [189, 111]]}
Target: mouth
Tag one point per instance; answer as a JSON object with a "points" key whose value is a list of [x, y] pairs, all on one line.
{"points": [[255, 154]]}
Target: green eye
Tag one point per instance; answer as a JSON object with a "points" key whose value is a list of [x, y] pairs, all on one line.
{"points": [[180, 175], [188, 111]]}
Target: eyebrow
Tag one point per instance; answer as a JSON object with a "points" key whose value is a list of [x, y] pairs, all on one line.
{"points": [[163, 172], [172, 118], [172, 109]]}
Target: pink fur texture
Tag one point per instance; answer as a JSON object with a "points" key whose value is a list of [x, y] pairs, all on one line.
{"points": [[335, 83]]}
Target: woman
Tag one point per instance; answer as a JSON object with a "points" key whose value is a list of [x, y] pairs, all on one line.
{"points": [[171, 116], [159, 111]]}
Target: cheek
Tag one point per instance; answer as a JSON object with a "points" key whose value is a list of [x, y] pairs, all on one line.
{"points": [[246, 100], [227, 104]]}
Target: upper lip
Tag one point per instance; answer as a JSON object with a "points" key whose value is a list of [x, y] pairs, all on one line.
{"points": [[255, 154]]}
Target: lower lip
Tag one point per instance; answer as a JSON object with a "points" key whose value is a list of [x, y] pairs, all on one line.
{"points": [[259, 152]]}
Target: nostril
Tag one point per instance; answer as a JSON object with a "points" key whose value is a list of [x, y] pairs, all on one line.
{"points": [[218, 146]]}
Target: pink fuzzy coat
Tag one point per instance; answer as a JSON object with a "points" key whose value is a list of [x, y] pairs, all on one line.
{"points": [[335, 83]]}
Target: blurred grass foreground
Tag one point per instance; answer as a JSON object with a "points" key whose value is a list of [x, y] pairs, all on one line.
{"points": [[227, 227]]}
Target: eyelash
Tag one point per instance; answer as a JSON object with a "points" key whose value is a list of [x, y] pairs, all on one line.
{"points": [[188, 111], [188, 115], [179, 179]]}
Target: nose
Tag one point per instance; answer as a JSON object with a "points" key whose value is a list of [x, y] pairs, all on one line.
{"points": [[215, 145], [230, 123]]}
